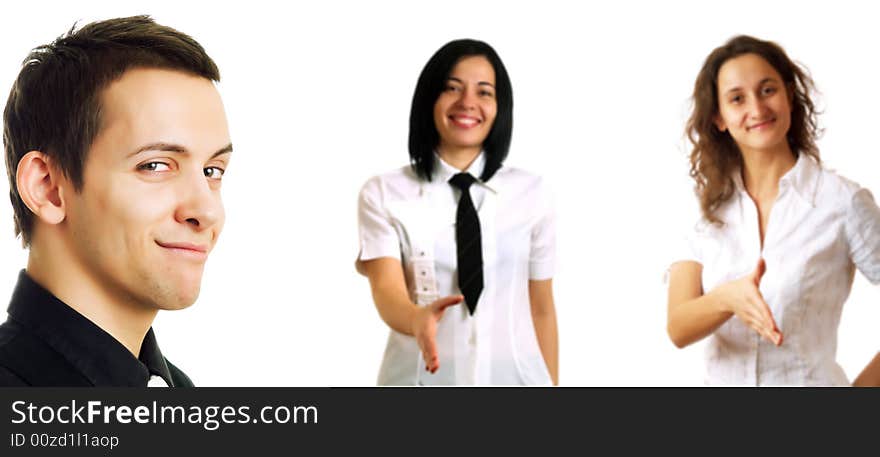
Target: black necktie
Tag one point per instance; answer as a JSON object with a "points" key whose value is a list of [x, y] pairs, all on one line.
{"points": [[469, 246]]}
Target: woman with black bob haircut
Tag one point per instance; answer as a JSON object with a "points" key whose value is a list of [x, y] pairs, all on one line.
{"points": [[765, 271], [423, 135], [456, 227]]}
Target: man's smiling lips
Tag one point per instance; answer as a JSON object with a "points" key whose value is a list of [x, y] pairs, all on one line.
{"points": [[190, 250]]}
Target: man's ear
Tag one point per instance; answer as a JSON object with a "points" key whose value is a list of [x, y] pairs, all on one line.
{"points": [[39, 184]]}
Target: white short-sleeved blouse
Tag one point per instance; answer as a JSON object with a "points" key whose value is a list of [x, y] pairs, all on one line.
{"points": [[821, 228], [411, 219]]}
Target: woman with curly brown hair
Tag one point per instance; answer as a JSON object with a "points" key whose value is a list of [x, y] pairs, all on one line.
{"points": [[766, 270]]}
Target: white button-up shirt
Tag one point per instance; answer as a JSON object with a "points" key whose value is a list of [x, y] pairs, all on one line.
{"points": [[156, 381], [821, 228], [408, 218]]}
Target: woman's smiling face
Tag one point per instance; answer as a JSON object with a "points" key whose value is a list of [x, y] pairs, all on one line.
{"points": [[465, 111], [754, 105]]}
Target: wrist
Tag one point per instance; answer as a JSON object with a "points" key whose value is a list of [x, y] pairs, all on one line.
{"points": [[412, 319], [718, 300]]}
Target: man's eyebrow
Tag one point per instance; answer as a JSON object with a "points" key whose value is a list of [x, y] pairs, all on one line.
{"points": [[171, 147], [224, 150]]}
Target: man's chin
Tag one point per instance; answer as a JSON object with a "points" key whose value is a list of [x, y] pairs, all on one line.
{"points": [[181, 292], [180, 300]]}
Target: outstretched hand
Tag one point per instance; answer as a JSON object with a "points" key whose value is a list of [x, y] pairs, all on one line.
{"points": [[425, 328], [743, 298]]}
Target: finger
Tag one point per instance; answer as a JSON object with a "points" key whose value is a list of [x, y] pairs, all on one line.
{"points": [[762, 308], [424, 351], [771, 335], [758, 319], [446, 302], [430, 353], [767, 314], [764, 324], [751, 319], [434, 364], [768, 335], [776, 336], [431, 363], [759, 270], [760, 329]]}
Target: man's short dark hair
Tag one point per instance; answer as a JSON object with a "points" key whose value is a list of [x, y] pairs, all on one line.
{"points": [[423, 136], [55, 103]]}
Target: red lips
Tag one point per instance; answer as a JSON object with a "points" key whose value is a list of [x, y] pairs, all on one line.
{"points": [[464, 122]]}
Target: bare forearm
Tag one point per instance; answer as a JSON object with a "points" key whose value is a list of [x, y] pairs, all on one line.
{"points": [[548, 341], [692, 315], [398, 314], [395, 308], [870, 376], [695, 319], [544, 319], [388, 287]]}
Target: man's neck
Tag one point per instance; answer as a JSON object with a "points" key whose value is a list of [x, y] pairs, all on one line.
{"points": [[55, 268]]}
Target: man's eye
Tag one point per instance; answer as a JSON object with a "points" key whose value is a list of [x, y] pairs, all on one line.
{"points": [[154, 166], [214, 172]]}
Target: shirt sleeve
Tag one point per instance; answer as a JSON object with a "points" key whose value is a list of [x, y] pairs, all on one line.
{"points": [[542, 255], [688, 232], [376, 233], [684, 246], [863, 234]]}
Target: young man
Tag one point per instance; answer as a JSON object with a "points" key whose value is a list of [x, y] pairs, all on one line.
{"points": [[116, 142]]}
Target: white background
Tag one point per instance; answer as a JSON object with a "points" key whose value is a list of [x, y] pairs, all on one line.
{"points": [[318, 97]]}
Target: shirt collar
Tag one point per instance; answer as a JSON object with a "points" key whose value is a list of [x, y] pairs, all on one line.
{"points": [[95, 353], [803, 178], [444, 171]]}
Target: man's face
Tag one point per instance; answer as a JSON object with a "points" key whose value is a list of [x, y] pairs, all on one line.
{"points": [[149, 211]]}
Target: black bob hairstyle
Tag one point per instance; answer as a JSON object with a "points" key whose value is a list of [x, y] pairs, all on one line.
{"points": [[423, 136]]}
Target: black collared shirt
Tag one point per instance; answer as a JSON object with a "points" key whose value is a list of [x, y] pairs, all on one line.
{"points": [[44, 342]]}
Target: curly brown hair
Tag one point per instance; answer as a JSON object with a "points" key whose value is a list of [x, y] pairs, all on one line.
{"points": [[715, 155]]}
